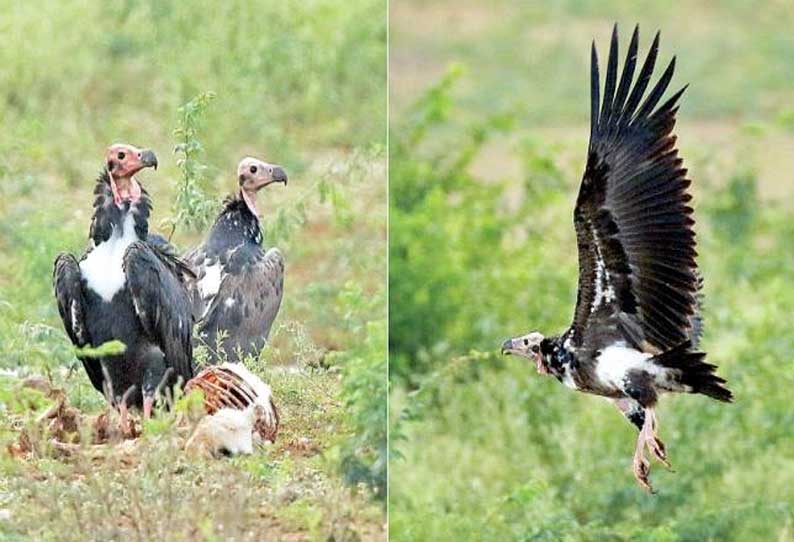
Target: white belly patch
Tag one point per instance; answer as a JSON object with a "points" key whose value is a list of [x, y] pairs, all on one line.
{"points": [[615, 361], [102, 267]]}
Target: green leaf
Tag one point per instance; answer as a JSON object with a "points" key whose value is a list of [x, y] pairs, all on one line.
{"points": [[110, 348]]}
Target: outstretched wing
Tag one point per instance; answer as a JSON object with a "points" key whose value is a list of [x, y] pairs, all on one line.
{"points": [[247, 302], [67, 285], [633, 224], [156, 283]]}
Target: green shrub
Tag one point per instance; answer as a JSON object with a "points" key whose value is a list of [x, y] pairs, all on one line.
{"points": [[463, 249]]}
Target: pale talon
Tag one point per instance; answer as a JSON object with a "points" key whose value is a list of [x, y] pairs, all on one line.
{"points": [[658, 450]]}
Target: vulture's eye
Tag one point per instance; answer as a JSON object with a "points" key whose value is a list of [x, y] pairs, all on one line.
{"points": [[535, 348], [253, 169], [121, 156], [526, 342]]}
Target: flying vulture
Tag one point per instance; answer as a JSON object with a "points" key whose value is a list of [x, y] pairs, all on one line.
{"points": [[636, 325], [126, 289], [239, 285]]}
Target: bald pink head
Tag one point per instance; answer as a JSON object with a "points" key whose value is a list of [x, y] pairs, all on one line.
{"points": [[122, 162], [253, 175]]}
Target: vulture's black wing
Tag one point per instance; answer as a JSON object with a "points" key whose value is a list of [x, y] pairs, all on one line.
{"points": [[67, 284], [156, 283], [247, 302], [196, 259], [633, 224], [158, 241]]}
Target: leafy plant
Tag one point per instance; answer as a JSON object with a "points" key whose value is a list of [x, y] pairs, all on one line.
{"points": [[192, 207], [452, 233], [364, 455]]}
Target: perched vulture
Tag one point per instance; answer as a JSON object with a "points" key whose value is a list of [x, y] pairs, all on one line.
{"points": [[636, 325], [126, 289], [239, 285]]}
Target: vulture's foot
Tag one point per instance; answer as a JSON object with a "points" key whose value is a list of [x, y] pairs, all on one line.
{"points": [[648, 439], [127, 426], [654, 443], [642, 467], [124, 414], [658, 450]]}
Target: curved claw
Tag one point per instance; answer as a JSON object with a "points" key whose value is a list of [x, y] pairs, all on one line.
{"points": [[658, 450], [642, 468]]}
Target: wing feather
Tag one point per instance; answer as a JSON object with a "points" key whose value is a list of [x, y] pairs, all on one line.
{"points": [[68, 288], [634, 225], [156, 281], [247, 303]]}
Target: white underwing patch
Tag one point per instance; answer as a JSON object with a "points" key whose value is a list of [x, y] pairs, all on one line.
{"points": [[210, 283], [77, 327], [604, 293], [102, 267]]}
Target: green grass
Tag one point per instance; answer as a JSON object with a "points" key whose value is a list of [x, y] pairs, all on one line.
{"points": [[484, 169], [301, 84]]}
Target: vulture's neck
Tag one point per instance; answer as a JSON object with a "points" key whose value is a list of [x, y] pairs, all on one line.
{"points": [[236, 224], [557, 354], [109, 216]]}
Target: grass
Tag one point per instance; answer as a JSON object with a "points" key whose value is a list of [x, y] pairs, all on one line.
{"points": [[484, 167], [299, 84]]}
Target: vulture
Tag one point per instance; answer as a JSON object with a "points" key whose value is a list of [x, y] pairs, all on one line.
{"points": [[128, 289], [238, 287], [637, 322]]}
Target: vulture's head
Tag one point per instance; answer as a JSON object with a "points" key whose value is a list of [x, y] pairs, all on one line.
{"points": [[122, 162], [529, 346], [253, 175]]}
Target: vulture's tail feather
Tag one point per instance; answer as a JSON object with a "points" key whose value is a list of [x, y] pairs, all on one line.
{"points": [[695, 372]]}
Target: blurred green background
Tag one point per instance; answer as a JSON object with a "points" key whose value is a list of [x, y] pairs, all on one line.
{"points": [[488, 134], [298, 83]]}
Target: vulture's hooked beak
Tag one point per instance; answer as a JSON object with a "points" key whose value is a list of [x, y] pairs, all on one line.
{"points": [[517, 346], [148, 159], [279, 175]]}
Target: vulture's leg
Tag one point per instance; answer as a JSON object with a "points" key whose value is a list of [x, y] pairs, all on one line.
{"points": [[642, 467], [632, 410], [124, 414], [655, 445], [636, 414], [148, 398], [153, 378], [125, 418], [148, 404], [647, 438]]}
